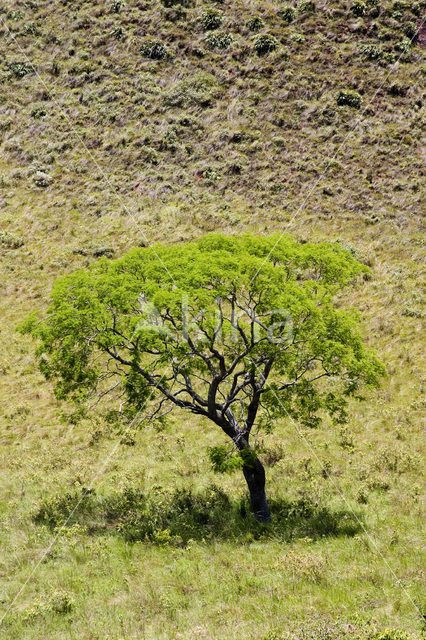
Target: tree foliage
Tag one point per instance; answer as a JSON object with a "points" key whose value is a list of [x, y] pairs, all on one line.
{"points": [[240, 330]]}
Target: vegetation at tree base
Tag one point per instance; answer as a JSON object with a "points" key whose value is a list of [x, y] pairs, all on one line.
{"points": [[104, 149], [184, 515], [241, 331]]}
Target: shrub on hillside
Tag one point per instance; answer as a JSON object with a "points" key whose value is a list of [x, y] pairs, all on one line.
{"points": [[118, 33], [372, 52], [117, 5], [19, 69], [349, 98], [175, 13], [255, 24], [42, 179], [198, 89], [397, 89], [391, 634], [288, 14], [211, 19], [306, 6], [175, 518], [359, 8], [265, 43], [38, 111], [148, 154], [173, 3], [297, 37], [220, 40], [154, 49], [410, 30], [10, 240], [403, 46]]}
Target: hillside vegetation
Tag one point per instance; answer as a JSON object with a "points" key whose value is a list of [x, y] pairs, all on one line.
{"points": [[125, 123]]}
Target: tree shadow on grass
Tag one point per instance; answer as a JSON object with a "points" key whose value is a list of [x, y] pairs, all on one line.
{"points": [[175, 518]]}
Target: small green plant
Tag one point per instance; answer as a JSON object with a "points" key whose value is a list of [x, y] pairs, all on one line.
{"points": [[31, 29], [410, 30], [265, 43], [15, 14], [38, 111], [372, 52], [218, 40], [10, 240], [20, 69], [403, 46], [149, 154], [398, 9], [173, 3], [211, 19], [350, 98], [288, 14], [198, 90], [59, 602], [117, 5], [359, 8], [118, 33], [42, 179], [306, 6], [255, 24], [391, 634], [154, 49]]}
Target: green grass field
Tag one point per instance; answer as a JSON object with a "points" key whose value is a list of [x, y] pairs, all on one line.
{"points": [[102, 149]]}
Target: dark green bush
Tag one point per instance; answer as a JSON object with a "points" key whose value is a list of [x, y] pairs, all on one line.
{"points": [[31, 29], [174, 3], [396, 89], [218, 40], [38, 111], [118, 33], [20, 69], [148, 154], [288, 14], [349, 98], [306, 6], [359, 8], [398, 8], [154, 49], [265, 43], [117, 5], [410, 30], [175, 518], [255, 24], [211, 19]]}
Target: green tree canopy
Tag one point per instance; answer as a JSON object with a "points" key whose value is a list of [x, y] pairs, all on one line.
{"points": [[239, 330]]}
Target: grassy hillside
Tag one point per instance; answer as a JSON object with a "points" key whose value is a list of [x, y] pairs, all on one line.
{"points": [[128, 123]]}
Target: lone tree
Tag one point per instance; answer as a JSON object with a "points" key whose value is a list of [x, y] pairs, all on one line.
{"points": [[239, 330]]}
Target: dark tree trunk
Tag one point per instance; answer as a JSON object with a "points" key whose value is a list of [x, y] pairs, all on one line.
{"points": [[255, 478]]}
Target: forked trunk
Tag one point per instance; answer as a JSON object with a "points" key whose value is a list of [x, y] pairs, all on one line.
{"points": [[254, 474]]}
